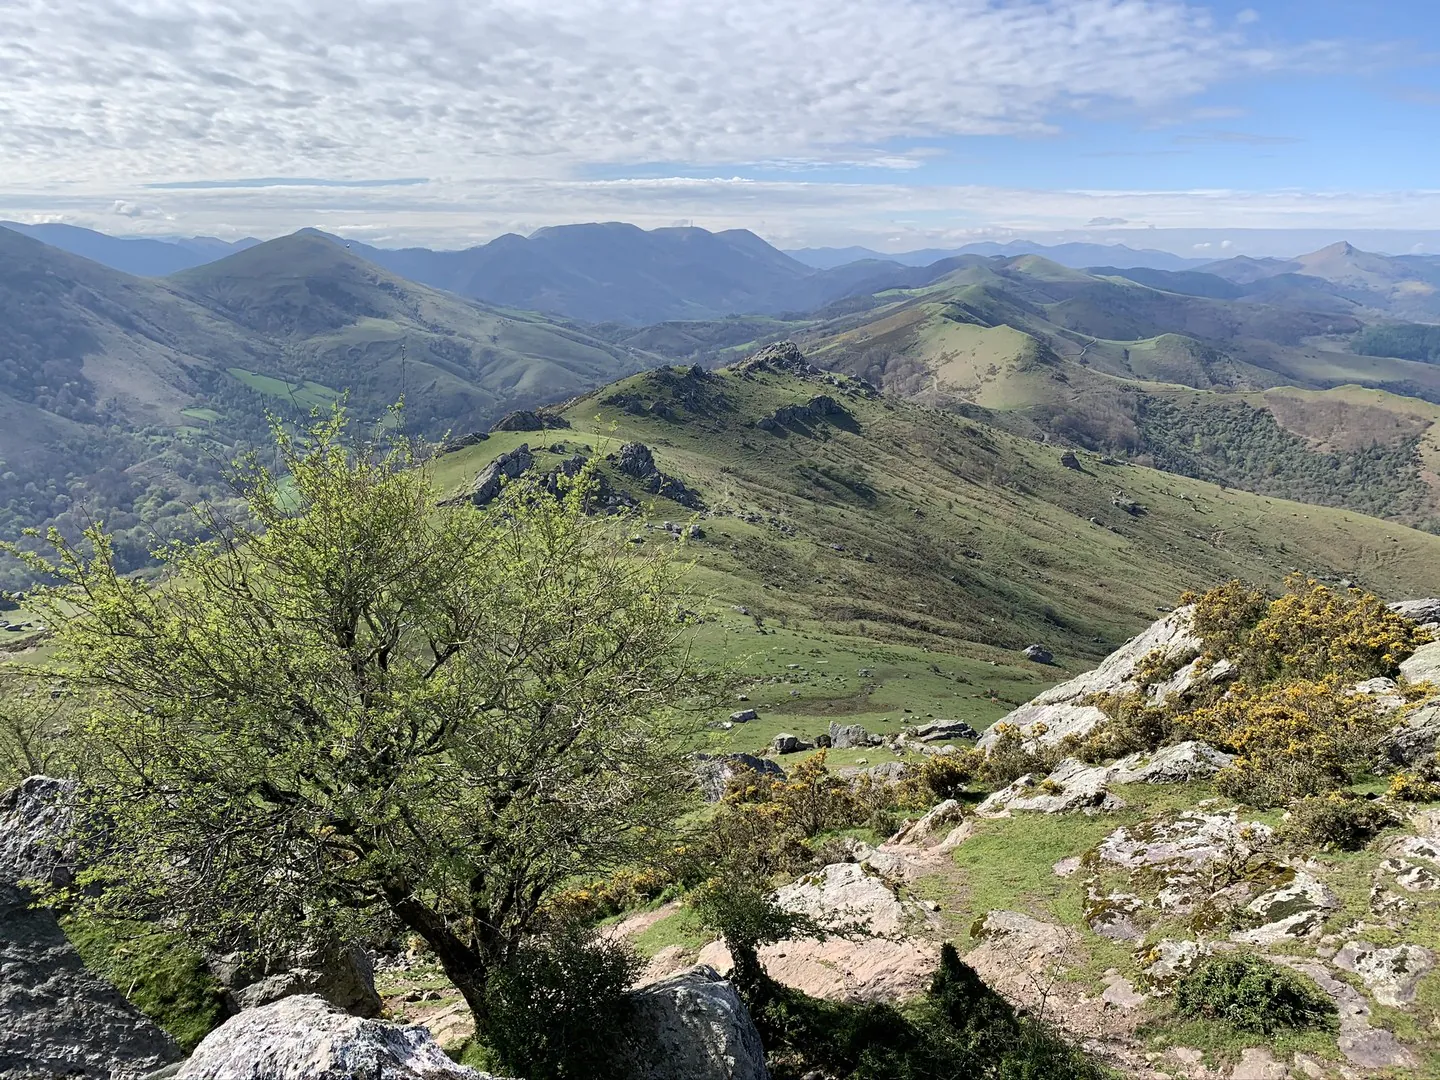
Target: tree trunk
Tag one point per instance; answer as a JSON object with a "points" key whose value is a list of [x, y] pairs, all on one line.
{"points": [[463, 966]]}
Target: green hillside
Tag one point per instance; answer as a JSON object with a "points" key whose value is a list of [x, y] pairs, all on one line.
{"points": [[927, 548], [125, 399]]}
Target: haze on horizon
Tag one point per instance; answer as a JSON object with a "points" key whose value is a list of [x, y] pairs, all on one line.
{"points": [[1205, 128]]}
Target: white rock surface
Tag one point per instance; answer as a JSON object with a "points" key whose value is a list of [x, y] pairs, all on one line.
{"points": [[1389, 974], [1361, 1043], [1190, 840], [1423, 665], [1176, 764], [1060, 721], [1073, 785], [846, 892], [306, 1038], [692, 1026], [1292, 911]]}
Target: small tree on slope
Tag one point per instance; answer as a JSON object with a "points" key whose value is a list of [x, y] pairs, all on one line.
{"points": [[364, 705]]}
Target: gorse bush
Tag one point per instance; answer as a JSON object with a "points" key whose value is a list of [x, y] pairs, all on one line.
{"points": [[1338, 819], [1251, 993], [1290, 740]]}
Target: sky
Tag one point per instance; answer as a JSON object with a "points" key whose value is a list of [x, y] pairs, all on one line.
{"points": [[894, 124]]}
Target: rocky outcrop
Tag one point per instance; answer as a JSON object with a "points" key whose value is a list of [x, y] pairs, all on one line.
{"points": [[341, 975], [306, 1038], [526, 420], [57, 1018], [819, 408], [1415, 738], [693, 1026], [1061, 708], [493, 477], [1073, 785], [783, 356], [1179, 763], [1423, 665], [850, 736], [1425, 612], [1389, 974], [637, 462]]}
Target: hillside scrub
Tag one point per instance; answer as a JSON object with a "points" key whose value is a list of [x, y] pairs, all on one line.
{"points": [[1252, 993], [361, 711]]}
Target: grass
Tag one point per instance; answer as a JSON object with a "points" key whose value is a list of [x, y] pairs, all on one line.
{"points": [[305, 394], [682, 928]]}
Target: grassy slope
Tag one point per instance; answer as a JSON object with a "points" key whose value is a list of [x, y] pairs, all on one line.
{"points": [[960, 544]]}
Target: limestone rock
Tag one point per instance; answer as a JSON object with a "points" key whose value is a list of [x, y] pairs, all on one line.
{"points": [[1361, 1043], [714, 773], [636, 461], [1258, 1063], [1060, 721], [1171, 638], [1073, 785], [1423, 665], [743, 716], [944, 731], [1292, 911], [1038, 654], [1191, 840], [34, 816], [1164, 962], [693, 1026], [527, 420], [340, 974], [1425, 612], [845, 892], [1383, 692], [1176, 764], [1415, 739], [785, 743], [1196, 673], [306, 1038], [1389, 974], [850, 736], [492, 478]]}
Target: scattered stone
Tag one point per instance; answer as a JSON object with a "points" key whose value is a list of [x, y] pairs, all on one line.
{"points": [[342, 975], [1164, 962], [1190, 840], [1066, 867], [945, 730], [636, 461], [1257, 1063], [1389, 974], [693, 1026], [937, 823], [785, 743], [1111, 915], [306, 1038], [1120, 993], [744, 716]]}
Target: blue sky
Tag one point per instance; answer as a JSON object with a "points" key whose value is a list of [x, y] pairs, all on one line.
{"points": [[892, 123]]}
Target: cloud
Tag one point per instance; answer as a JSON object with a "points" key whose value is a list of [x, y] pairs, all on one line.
{"points": [[126, 209], [1103, 222], [159, 91], [1234, 138]]}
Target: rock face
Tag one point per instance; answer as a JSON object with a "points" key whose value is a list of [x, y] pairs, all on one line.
{"points": [[1073, 785], [1425, 612], [1059, 707], [306, 1038], [56, 1018], [1415, 738], [821, 407], [637, 462], [849, 736], [693, 1027], [1179, 763], [1423, 665]]}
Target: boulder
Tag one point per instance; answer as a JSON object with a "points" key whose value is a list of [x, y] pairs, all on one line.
{"points": [[850, 736], [1415, 738], [34, 817], [944, 731], [1196, 673], [1176, 764], [56, 1018], [340, 974], [1424, 612], [693, 1026], [1191, 840], [1061, 708], [845, 892], [493, 477], [785, 743], [1292, 911], [938, 823], [307, 1038], [1037, 654], [714, 773], [1073, 785], [1423, 665], [744, 716]]}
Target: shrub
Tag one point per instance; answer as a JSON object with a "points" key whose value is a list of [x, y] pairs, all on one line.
{"points": [[1421, 785], [1013, 755], [939, 777], [1251, 993], [1133, 725], [1339, 819], [1304, 738], [557, 1010]]}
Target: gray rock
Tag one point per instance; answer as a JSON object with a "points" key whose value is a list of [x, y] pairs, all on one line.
{"points": [[945, 730], [1425, 612], [714, 773], [1037, 654], [744, 716], [34, 817], [1423, 665], [1193, 675], [1176, 764], [1415, 738], [1073, 785], [636, 461], [306, 1038], [693, 1026], [937, 823], [1362, 1044], [1059, 707], [492, 478], [785, 743], [846, 892], [850, 736], [340, 974], [1188, 841], [56, 1018], [1389, 974], [1292, 911]]}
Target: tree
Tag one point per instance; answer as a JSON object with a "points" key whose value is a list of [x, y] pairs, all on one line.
{"points": [[359, 704]]}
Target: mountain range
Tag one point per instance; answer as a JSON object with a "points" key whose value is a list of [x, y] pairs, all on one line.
{"points": [[1077, 255], [1316, 378]]}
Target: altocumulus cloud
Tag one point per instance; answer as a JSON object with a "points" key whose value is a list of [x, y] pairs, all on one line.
{"points": [[173, 89]]}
